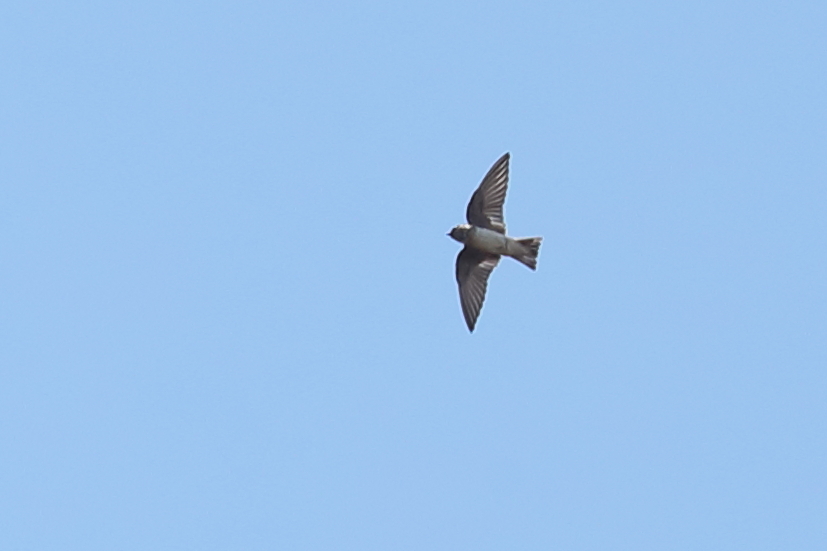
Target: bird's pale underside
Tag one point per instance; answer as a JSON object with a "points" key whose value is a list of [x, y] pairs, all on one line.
{"points": [[485, 241]]}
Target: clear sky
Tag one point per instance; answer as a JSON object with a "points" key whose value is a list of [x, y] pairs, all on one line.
{"points": [[229, 319]]}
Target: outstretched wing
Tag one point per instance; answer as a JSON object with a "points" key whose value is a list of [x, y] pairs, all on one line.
{"points": [[486, 206], [473, 269]]}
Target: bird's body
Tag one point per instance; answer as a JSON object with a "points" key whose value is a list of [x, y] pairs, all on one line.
{"points": [[488, 240], [485, 241], [497, 243]]}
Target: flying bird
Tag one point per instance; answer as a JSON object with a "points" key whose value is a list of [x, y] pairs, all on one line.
{"points": [[485, 241]]}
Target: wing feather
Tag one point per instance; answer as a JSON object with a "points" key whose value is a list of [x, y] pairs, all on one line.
{"points": [[473, 269], [486, 206]]}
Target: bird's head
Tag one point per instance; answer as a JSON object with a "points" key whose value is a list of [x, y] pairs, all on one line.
{"points": [[460, 232]]}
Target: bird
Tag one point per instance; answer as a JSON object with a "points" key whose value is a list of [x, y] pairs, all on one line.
{"points": [[485, 241]]}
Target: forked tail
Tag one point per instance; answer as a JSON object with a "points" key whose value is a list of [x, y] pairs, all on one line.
{"points": [[532, 249]]}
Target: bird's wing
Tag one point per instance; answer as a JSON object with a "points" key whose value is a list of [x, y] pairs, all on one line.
{"points": [[486, 206], [473, 269]]}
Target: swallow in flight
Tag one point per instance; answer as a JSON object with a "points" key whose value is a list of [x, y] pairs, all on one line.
{"points": [[485, 241]]}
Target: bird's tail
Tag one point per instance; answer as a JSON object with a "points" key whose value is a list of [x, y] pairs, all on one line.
{"points": [[532, 249]]}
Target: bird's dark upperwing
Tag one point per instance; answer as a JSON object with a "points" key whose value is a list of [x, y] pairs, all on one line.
{"points": [[473, 269], [486, 206]]}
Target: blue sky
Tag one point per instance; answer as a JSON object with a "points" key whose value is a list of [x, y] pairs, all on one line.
{"points": [[229, 315]]}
